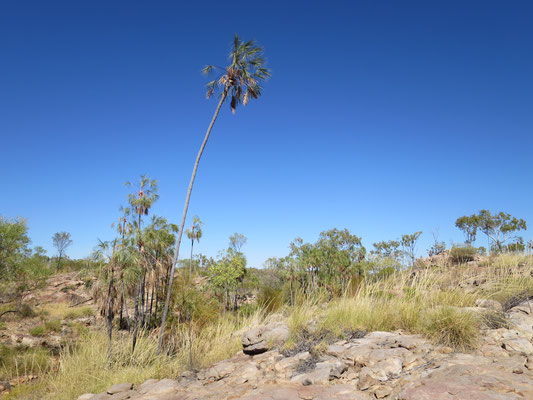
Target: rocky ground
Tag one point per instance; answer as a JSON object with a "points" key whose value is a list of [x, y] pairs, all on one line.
{"points": [[382, 365], [65, 299]]}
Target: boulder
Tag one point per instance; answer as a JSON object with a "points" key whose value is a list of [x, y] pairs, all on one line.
{"points": [[264, 338], [120, 387], [489, 304], [86, 396]]}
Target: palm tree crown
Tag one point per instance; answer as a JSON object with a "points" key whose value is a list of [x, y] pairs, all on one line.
{"points": [[243, 77]]}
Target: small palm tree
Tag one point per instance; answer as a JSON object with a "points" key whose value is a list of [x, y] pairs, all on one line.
{"points": [[240, 80], [194, 233]]}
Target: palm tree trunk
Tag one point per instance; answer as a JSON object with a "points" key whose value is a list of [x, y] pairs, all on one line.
{"points": [[190, 264], [184, 216], [136, 316], [125, 305], [109, 319]]}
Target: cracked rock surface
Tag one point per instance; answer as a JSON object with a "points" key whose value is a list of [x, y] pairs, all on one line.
{"points": [[382, 365]]}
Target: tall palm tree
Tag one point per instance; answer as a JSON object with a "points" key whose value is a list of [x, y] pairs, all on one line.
{"points": [[194, 233], [240, 80]]}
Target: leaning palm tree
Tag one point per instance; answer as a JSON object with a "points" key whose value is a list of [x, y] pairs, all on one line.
{"points": [[194, 233], [240, 81]]}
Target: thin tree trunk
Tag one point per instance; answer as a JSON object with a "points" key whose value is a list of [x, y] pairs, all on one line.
{"points": [[125, 305], [190, 264], [184, 216], [109, 319], [136, 316]]}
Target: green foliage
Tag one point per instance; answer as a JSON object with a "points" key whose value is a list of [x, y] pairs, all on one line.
{"points": [[192, 305], [409, 244], [270, 299], [227, 273], [80, 312], [38, 330], [26, 311], [21, 269], [453, 327], [437, 248], [517, 247], [14, 242], [499, 227], [241, 80], [61, 241], [20, 361], [53, 326], [463, 254], [469, 226]]}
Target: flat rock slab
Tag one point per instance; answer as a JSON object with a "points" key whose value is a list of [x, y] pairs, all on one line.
{"points": [[472, 382], [120, 387]]}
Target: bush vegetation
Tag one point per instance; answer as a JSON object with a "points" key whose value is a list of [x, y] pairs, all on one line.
{"points": [[463, 254]]}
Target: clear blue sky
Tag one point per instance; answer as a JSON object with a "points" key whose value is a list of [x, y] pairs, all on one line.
{"points": [[383, 117]]}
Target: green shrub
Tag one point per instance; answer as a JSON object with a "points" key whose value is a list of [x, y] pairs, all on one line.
{"points": [[16, 361], [53, 326], [38, 330], [26, 311], [269, 298], [452, 327], [79, 312], [495, 320], [463, 254]]}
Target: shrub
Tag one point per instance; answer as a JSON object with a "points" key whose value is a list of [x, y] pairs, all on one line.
{"points": [[38, 330], [80, 312], [452, 327], [495, 320], [26, 311], [17, 361], [462, 254], [53, 326], [269, 298]]}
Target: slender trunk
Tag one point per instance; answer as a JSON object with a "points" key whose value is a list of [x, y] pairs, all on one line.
{"points": [[184, 216], [151, 306], [190, 264], [110, 310], [109, 323], [136, 317], [125, 305], [292, 298]]}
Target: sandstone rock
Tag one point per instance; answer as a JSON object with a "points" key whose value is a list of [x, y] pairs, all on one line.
{"points": [[130, 394], [120, 387], [368, 378], [164, 386], [291, 362], [217, 371], [523, 323], [382, 392], [146, 384], [101, 396], [86, 396], [265, 337], [519, 345], [489, 304]]}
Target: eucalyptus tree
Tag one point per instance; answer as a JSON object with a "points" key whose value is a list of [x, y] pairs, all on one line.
{"points": [[499, 227], [409, 244], [241, 81], [61, 241], [226, 275], [469, 226], [194, 233]]}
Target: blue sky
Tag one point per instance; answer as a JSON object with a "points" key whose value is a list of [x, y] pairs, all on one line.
{"points": [[383, 117]]}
